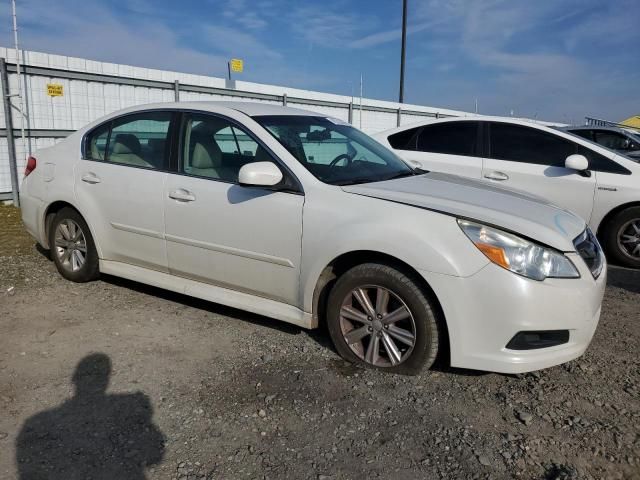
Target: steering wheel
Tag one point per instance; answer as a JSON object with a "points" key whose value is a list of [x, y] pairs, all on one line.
{"points": [[340, 157]]}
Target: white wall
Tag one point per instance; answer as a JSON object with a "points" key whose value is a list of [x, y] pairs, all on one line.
{"points": [[84, 101]]}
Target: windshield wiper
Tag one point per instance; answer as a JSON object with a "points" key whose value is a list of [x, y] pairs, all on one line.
{"points": [[355, 181], [410, 173]]}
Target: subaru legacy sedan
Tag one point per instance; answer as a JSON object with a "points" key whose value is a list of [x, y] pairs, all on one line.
{"points": [[303, 218]]}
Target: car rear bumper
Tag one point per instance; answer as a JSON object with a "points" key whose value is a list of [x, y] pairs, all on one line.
{"points": [[31, 209], [486, 310]]}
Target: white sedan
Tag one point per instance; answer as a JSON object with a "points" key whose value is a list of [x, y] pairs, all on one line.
{"points": [[598, 184], [305, 219]]}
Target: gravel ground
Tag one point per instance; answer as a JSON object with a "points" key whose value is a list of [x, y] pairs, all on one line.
{"points": [[200, 391]]}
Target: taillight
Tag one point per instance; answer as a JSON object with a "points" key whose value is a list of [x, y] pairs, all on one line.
{"points": [[31, 166]]}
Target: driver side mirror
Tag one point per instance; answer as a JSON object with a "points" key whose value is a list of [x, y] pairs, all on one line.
{"points": [[579, 163], [259, 174]]}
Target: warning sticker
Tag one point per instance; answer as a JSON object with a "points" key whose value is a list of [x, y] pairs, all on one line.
{"points": [[55, 90]]}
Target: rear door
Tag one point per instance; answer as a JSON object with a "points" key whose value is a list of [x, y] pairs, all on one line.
{"points": [[120, 183], [449, 147], [532, 160]]}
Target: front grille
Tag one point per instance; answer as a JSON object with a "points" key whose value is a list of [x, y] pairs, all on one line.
{"points": [[590, 250]]}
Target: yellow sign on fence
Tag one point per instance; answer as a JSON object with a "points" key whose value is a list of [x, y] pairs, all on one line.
{"points": [[55, 90], [237, 65]]}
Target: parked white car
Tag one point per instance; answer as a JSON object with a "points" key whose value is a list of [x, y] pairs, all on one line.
{"points": [[598, 184], [305, 219]]}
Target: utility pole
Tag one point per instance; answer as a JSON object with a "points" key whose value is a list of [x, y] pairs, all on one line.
{"points": [[18, 71], [361, 101], [404, 48]]}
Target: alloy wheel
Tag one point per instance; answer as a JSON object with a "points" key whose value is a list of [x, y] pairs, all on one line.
{"points": [[70, 245], [629, 238], [377, 326]]}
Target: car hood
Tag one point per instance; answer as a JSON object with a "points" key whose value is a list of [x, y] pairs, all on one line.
{"points": [[511, 210]]}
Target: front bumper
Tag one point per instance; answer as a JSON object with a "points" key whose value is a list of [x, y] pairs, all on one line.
{"points": [[484, 311]]}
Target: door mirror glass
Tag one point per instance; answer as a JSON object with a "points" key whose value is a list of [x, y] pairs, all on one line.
{"points": [[260, 174], [577, 162]]}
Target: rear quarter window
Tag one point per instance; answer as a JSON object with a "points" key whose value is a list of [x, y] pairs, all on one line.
{"points": [[405, 140]]}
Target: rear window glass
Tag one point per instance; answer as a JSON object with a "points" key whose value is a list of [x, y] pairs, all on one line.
{"points": [[453, 138], [404, 140]]}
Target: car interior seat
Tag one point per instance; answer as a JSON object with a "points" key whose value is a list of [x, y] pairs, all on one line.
{"points": [[127, 150], [205, 156]]}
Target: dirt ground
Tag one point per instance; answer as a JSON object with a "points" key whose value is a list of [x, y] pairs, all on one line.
{"points": [[197, 390]]}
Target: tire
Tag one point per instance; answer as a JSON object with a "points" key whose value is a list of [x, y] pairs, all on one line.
{"points": [[70, 241], [346, 315], [627, 223]]}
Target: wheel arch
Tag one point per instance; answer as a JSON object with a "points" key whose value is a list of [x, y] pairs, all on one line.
{"points": [[49, 214], [348, 260], [604, 223]]}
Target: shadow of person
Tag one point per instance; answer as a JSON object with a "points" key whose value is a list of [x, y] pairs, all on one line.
{"points": [[92, 435]]}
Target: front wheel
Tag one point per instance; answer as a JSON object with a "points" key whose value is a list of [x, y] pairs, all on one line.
{"points": [[379, 317], [622, 238], [72, 247]]}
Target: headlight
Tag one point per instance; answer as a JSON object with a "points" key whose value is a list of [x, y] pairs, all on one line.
{"points": [[517, 254]]}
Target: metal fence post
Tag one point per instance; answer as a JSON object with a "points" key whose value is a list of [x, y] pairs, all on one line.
{"points": [[8, 120], [351, 112], [176, 90], [284, 99]]}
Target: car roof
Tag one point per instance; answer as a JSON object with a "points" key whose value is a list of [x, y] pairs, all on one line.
{"points": [[598, 127], [252, 108], [260, 108], [476, 118]]}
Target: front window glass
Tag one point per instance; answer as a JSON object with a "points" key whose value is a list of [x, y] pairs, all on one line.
{"points": [[333, 151], [587, 134], [518, 143], [612, 140], [215, 148]]}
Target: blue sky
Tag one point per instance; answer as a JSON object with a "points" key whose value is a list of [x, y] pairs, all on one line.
{"points": [[550, 59]]}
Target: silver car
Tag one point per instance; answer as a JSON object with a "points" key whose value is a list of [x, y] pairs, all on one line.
{"points": [[619, 139]]}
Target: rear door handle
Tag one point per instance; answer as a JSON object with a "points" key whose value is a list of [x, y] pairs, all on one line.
{"points": [[498, 176], [182, 195], [90, 178]]}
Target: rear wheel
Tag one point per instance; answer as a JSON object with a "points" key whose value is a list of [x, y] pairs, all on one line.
{"points": [[379, 317], [72, 247], [622, 238]]}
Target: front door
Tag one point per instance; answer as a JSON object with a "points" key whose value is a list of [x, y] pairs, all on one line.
{"points": [[219, 232], [532, 160]]}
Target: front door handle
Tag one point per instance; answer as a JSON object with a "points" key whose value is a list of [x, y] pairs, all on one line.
{"points": [[182, 195], [91, 178], [498, 176]]}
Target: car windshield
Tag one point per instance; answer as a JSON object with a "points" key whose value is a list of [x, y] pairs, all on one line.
{"points": [[333, 151]]}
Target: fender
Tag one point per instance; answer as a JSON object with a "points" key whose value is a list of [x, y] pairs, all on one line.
{"points": [[406, 243]]}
